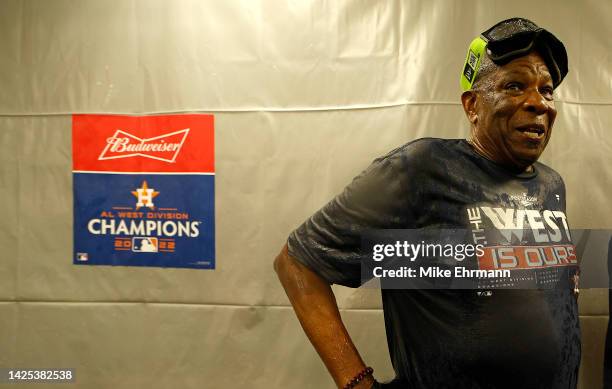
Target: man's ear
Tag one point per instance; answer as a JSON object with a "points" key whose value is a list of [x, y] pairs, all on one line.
{"points": [[469, 100]]}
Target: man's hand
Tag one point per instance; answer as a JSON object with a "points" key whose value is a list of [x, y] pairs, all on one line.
{"points": [[315, 306]]}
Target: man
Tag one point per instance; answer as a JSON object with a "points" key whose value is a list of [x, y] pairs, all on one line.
{"points": [[458, 338]]}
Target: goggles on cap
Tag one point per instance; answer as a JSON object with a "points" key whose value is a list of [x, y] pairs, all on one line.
{"points": [[510, 39]]}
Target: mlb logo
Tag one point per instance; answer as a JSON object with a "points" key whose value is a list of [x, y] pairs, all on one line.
{"points": [[144, 245], [82, 257]]}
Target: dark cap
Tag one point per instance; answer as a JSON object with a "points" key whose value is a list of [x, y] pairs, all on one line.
{"points": [[514, 38]]}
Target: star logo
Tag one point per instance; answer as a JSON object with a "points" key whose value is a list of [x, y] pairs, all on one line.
{"points": [[145, 196]]}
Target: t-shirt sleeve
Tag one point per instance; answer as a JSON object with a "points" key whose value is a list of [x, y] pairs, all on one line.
{"points": [[329, 242]]}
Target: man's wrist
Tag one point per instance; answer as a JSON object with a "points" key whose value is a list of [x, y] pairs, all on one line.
{"points": [[367, 383], [361, 379]]}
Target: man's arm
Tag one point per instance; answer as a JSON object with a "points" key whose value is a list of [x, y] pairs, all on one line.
{"points": [[315, 306]]}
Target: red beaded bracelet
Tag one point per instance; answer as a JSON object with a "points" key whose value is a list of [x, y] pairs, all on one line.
{"points": [[359, 377]]}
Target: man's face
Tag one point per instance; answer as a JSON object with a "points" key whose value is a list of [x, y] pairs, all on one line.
{"points": [[515, 111]]}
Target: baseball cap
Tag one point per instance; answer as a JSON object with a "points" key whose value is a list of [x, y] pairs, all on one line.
{"points": [[510, 39]]}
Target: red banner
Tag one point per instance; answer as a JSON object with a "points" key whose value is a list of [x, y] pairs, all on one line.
{"points": [[169, 143]]}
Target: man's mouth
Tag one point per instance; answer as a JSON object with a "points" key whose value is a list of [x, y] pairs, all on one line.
{"points": [[533, 131]]}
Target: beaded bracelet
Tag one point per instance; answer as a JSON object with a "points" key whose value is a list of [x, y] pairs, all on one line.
{"points": [[359, 377]]}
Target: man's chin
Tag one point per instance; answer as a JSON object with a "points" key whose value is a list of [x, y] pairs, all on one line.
{"points": [[525, 159]]}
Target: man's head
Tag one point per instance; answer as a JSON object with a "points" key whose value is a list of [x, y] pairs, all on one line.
{"points": [[510, 102]]}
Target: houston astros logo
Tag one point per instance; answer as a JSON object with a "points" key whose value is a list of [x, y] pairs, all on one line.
{"points": [[163, 148], [145, 196]]}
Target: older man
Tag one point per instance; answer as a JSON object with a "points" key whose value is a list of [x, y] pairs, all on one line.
{"points": [[502, 338]]}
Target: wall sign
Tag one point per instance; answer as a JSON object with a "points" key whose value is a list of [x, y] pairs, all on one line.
{"points": [[144, 190]]}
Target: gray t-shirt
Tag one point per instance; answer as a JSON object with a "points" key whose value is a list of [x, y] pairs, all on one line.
{"points": [[458, 338]]}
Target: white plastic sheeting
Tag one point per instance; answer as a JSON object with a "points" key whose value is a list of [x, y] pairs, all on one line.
{"points": [[305, 94]]}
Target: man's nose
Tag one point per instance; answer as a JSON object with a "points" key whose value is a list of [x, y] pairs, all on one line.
{"points": [[535, 102]]}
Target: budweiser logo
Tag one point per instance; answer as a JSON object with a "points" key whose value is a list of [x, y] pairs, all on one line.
{"points": [[163, 148]]}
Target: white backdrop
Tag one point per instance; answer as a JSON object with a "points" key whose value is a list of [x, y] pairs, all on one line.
{"points": [[305, 94]]}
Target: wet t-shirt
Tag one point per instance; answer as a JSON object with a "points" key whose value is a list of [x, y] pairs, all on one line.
{"points": [[472, 339]]}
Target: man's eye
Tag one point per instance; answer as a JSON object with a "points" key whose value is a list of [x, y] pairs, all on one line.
{"points": [[514, 86], [547, 92]]}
